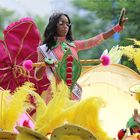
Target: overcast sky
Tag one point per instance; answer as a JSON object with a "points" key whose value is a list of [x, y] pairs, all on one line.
{"points": [[37, 7]]}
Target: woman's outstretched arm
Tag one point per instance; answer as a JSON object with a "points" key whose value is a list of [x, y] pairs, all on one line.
{"points": [[94, 41]]}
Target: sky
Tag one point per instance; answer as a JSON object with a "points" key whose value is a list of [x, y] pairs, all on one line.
{"points": [[37, 7]]}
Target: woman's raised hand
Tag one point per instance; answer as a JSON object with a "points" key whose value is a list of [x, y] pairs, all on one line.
{"points": [[122, 18]]}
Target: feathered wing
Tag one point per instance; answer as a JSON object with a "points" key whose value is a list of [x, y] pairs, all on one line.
{"points": [[21, 39]]}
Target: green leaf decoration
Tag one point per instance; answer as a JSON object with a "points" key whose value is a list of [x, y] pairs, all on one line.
{"points": [[61, 68]]}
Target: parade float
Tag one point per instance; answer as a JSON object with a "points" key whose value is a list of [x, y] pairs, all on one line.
{"points": [[106, 104]]}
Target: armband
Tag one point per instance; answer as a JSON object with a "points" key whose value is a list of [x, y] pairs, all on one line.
{"points": [[117, 28]]}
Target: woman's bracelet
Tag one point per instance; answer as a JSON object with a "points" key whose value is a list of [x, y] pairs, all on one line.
{"points": [[117, 28]]}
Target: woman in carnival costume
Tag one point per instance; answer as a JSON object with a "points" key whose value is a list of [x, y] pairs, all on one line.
{"points": [[57, 40]]}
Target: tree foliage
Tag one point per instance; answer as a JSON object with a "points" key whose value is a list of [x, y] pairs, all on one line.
{"points": [[110, 10], [41, 24], [84, 29], [88, 25], [107, 12], [6, 17]]}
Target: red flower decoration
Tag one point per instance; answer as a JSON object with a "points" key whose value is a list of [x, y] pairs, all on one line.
{"points": [[69, 75], [69, 64], [69, 70], [69, 82], [70, 58]]}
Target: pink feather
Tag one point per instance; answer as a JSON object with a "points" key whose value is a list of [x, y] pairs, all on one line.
{"points": [[28, 65], [105, 60]]}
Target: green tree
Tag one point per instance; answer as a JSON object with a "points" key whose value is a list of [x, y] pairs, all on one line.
{"points": [[8, 16], [110, 9], [41, 24], [90, 27]]}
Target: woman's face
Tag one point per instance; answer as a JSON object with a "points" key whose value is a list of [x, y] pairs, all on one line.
{"points": [[62, 26]]}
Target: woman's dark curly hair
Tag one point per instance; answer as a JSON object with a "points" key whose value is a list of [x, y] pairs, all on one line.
{"points": [[50, 31]]}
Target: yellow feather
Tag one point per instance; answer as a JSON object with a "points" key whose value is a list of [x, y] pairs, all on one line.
{"points": [[85, 114], [136, 42], [41, 106], [60, 110], [132, 53], [137, 59], [54, 107], [16, 106], [4, 95], [128, 51]]}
